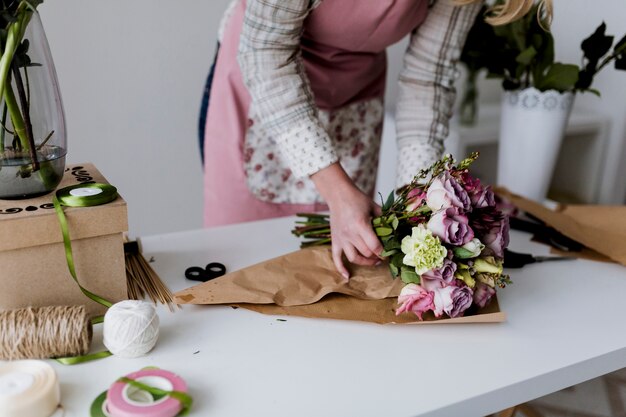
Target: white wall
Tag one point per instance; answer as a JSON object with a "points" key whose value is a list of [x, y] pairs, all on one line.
{"points": [[132, 74]]}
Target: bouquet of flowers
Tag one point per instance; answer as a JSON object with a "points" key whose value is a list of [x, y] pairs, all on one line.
{"points": [[443, 236]]}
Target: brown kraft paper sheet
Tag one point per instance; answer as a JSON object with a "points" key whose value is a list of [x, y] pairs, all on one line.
{"points": [[306, 283], [602, 229]]}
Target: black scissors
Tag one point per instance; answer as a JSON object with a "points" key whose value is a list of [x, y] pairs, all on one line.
{"points": [[519, 260], [545, 234], [213, 270]]}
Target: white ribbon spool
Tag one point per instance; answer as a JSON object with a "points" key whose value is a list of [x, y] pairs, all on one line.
{"points": [[28, 389]]}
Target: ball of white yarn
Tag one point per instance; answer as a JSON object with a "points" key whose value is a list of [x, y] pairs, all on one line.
{"points": [[131, 328]]}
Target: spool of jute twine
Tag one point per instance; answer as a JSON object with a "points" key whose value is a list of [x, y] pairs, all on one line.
{"points": [[44, 332]]}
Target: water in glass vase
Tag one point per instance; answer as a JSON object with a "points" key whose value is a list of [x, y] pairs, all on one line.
{"points": [[17, 179]]}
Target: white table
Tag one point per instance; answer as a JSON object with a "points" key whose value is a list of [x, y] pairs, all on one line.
{"points": [[565, 325]]}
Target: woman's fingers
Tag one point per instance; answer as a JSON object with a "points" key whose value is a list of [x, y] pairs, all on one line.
{"points": [[374, 246], [362, 247], [356, 258], [338, 261]]}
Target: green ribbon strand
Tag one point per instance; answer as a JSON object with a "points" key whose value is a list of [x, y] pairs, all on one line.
{"points": [[182, 397], [74, 360], [81, 195]]}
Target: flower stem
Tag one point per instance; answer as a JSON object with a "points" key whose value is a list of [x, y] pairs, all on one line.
{"points": [[4, 129], [16, 116], [611, 57], [14, 34], [26, 116]]}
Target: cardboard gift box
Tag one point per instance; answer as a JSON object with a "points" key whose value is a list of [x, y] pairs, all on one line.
{"points": [[33, 267]]}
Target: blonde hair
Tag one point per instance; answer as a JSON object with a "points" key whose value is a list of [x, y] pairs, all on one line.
{"points": [[512, 10]]}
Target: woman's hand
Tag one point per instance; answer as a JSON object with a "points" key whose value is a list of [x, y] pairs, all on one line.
{"points": [[351, 214]]}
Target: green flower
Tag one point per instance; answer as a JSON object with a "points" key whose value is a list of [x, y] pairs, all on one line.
{"points": [[488, 264], [465, 276], [422, 250]]}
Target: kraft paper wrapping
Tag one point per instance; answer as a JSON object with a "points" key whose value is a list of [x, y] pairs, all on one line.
{"points": [[602, 229], [306, 283]]}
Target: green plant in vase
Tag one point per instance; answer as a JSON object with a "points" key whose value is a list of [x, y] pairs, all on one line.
{"points": [[526, 51], [521, 54], [538, 97], [32, 124]]}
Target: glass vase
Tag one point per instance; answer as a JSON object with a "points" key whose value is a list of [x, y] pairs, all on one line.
{"points": [[33, 140]]}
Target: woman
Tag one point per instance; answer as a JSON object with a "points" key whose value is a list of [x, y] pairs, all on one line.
{"points": [[296, 107]]}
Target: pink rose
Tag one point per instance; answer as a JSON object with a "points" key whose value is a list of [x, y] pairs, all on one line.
{"points": [[483, 294], [445, 192], [451, 226], [415, 299], [440, 277], [452, 300], [492, 228], [414, 199]]}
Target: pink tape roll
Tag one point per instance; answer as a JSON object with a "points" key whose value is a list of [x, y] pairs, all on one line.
{"points": [[124, 400]]}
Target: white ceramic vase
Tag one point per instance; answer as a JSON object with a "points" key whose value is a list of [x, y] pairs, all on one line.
{"points": [[531, 131]]}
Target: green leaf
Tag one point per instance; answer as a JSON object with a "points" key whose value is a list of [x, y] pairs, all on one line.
{"points": [[394, 270], [392, 244], [386, 239], [389, 252], [462, 253], [560, 77], [389, 202], [395, 222], [383, 231], [620, 54], [597, 45], [545, 57], [526, 56], [409, 276], [397, 259], [585, 78], [376, 221], [593, 91]]}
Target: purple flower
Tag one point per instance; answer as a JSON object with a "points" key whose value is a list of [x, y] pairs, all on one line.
{"points": [[445, 192], [482, 197], [416, 299], [492, 228], [483, 294], [452, 300], [440, 277], [451, 226], [470, 183]]}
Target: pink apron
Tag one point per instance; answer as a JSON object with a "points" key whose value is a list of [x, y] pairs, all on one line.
{"points": [[343, 48]]}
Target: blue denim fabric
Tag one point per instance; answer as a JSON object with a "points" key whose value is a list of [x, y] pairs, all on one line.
{"points": [[204, 106]]}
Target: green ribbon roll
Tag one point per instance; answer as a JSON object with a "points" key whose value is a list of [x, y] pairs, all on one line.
{"points": [[97, 406], [81, 195]]}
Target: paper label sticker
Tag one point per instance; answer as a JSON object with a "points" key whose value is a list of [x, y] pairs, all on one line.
{"points": [[85, 192], [15, 383]]}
